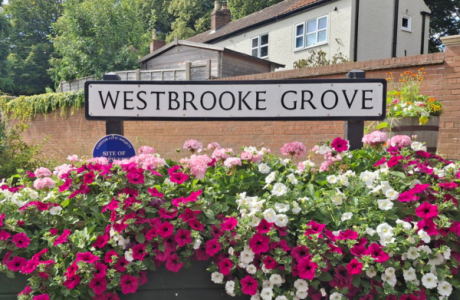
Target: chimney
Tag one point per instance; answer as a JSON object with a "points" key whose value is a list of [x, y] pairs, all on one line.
{"points": [[220, 17], [156, 44]]}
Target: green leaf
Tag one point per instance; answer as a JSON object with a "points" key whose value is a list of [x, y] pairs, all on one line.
{"points": [[65, 203], [398, 174], [356, 281], [210, 214], [161, 247], [140, 237], [325, 276], [382, 125]]}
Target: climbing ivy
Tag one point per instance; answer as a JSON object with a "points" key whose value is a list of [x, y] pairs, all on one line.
{"points": [[27, 107]]}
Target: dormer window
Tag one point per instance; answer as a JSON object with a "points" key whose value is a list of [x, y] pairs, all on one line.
{"points": [[259, 46], [311, 33]]}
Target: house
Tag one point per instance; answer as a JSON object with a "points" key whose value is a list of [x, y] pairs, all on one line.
{"points": [[358, 29]]}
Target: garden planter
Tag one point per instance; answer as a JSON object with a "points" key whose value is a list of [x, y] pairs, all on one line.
{"points": [[11, 287], [410, 126], [189, 283]]}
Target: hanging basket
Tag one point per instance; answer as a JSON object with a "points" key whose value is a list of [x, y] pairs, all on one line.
{"points": [[411, 126]]}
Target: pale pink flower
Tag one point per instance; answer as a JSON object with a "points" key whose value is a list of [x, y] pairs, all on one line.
{"points": [[257, 158], [199, 165], [146, 150], [300, 167], [61, 170], [295, 149], [184, 162], [213, 145], [42, 172], [43, 183], [232, 161], [152, 161], [374, 138], [98, 160], [246, 156], [73, 158], [400, 141], [325, 165], [193, 145], [222, 153]]}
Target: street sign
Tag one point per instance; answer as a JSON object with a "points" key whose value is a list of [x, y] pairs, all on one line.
{"points": [[114, 147], [337, 99]]}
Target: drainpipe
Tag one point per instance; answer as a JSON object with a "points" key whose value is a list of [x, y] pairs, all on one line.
{"points": [[395, 29], [355, 50], [424, 14]]}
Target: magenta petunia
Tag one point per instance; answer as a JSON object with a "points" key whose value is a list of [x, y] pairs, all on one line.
{"points": [[143, 278], [136, 176], [2, 217], [88, 178], [448, 185], [98, 285], [87, 257], [375, 250], [16, 263], [348, 235], [314, 228], [128, 284], [21, 240], [355, 267], [195, 224], [121, 264], [27, 290], [427, 210], [30, 266], [62, 238], [101, 241], [407, 196], [109, 256], [229, 223], [249, 285], [100, 270], [340, 145], [259, 243], [306, 269], [4, 235], [216, 231], [212, 247], [155, 193], [139, 251], [300, 252], [112, 206], [183, 237], [380, 162], [270, 262], [166, 229], [173, 264], [225, 266], [72, 282], [394, 161], [428, 226], [189, 215], [166, 214], [42, 297], [264, 226]]}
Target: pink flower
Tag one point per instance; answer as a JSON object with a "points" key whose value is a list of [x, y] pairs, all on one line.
{"points": [[87, 257], [88, 178], [222, 153], [348, 235], [428, 226], [212, 247], [270, 262], [229, 223], [21, 240], [232, 161], [249, 285], [377, 253], [448, 185], [121, 264], [166, 229], [155, 193], [62, 170], [27, 290], [99, 160], [400, 141], [139, 251], [112, 206], [300, 252], [173, 264], [183, 237], [306, 269], [72, 282], [178, 178], [44, 183], [380, 162], [66, 185], [340, 145], [294, 149], [42, 297], [259, 243], [100, 270], [426, 210], [146, 150], [375, 138], [16, 263], [4, 235], [62, 238], [199, 165], [109, 255], [2, 217], [165, 214], [143, 278], [128, 284], [73, 158], [264, 226], [98, 285], [355, 267], [213, 145], [136, 176], [225, 266], [42, 172], [193, 145], [314, 228], [30, 266], [394, 161]]}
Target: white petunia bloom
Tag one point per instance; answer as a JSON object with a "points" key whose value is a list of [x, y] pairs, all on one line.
{"points": [[281, 298], [267, 284], [406, 225], [385, 230], [129, 255], [270, 178], [343, 180], [123, 242], [390, 272], [56, 210], [332, 179], [301, 295], [247, 256], [385, 240], [324, 149], [251, 269], [255, 221], [292, 179], [256, 296], [337, 200], [370, 231], [266, 294], [385, 204], [438, 260], [335, 296], [425, 249], [391, 280], [371, 272], [217, 277], [264, 169], [347, 216], [230, 287], [444, 288], [323, 292], [413, 253], [301, 285], [281, 207], [392, 194], [446, 253], [409, 275], [270, 215], [281, 220], [276, 279], [429, 281], [424, 236], [417, 146], [34, 195], [296, 208], [279, 189]]}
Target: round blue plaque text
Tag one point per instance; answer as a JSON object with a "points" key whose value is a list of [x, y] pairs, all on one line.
{"points": [[114, 147]]}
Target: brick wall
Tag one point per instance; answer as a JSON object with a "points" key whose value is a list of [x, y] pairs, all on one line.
{"points": [[75, 135]]}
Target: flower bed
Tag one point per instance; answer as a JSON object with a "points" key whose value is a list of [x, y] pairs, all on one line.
{"points": [[377, 223]]}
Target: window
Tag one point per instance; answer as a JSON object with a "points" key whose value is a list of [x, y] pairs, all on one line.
{"points": [[406, 23], [259, 46], [311, 33]]}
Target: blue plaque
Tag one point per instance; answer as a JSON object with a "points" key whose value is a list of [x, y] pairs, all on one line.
{"points": [[114, 147]]}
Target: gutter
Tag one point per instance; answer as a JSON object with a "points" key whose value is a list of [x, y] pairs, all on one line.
{"points": [[274, 19], [424, 14], [355, 50], [395, 29]]}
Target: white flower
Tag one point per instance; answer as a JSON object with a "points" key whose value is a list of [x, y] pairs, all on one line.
{"points": [[391, 280], [385, 204], [444, 288], [347, 216], [247, 256], [370, 231], [429, 280], [264, 169], [406, 225], [371, 272], [281, 298], [425, 249], [267, 284], [324, 149], [279, 189], [385, 230], [217, 277], [446, 253], [390, 272], [251, 269], [256, 296], [296, 208], [266, 294], [270, 215], [323, 292], [335, 296], [413, 253], [385, 240], [392, 194], [409, 274], [129, 255], [438, 260], [292, 179], [281, 220], [337, 200], [230, 286], [270, 178], [56, 210], [417, 146], [332, 179], [168, 182], [424, 236], [281, 207], [276, 279], [301, 285], [34, 195], [231, 250], [255, 221], [301, 295], [123, 242]]}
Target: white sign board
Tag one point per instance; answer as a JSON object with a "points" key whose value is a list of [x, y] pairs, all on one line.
{"points": [[340, 99]]}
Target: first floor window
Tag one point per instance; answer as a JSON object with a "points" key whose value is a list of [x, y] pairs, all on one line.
{"points": [[311, 33], [406, 23], [259, 46]]}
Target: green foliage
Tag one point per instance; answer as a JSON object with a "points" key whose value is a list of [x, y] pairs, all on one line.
{"points": [[26, 107], [318, 58], [14, 152], [444, 21], [95, 37], [242, 8], [5, 80]]}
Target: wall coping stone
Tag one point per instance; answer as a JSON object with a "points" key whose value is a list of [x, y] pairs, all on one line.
{"points": [[453, 40]]}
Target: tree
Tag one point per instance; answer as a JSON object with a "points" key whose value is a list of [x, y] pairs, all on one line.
{"points": [[30, 48], [5, 79], [242, 8], [98, 36], [445, 16]]}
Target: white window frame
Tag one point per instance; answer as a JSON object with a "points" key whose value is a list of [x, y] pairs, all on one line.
{"points": [[305, 33], [259, 45], [409, 23]]}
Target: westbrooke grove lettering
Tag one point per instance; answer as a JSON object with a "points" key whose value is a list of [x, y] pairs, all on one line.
{"points": [[261, 100]]}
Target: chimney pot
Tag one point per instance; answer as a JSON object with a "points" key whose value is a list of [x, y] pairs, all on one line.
{"points": [[220, 17], [216, 5]]}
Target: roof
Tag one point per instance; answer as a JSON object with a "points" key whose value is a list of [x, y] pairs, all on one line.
{"points": [[268, 15], [177, 42]]}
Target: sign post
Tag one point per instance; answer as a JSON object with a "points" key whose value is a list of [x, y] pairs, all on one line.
{"points": [[354, 129], [113, 126]]}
